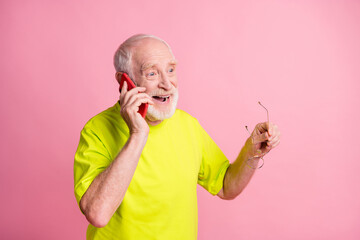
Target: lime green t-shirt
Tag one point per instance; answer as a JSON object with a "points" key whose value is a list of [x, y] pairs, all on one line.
{"points": [[161, 200]]}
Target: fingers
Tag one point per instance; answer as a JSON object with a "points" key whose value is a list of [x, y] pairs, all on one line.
{"points": [[122, 93], [262, 127], [265, 137], [133, 108], [266, 127], [124, 87], [133, 99], [275, 135], [131, 104], [132, 92], [140, 101], [273, 130], [125, 95], [260, 138], [130, 101], [273, 143], [274, 139], [266, 132]]}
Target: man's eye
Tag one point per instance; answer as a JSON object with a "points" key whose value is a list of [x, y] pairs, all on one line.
{"points": [[171, 70], [151, 74]]}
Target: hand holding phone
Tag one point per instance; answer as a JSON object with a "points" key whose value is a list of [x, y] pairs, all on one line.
{"points": [[130, 85]]}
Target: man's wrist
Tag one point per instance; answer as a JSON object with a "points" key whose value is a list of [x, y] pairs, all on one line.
{"points": [[139, 137]]}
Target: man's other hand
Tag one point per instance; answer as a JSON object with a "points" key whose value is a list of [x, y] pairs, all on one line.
{"points": [[265, 137]]}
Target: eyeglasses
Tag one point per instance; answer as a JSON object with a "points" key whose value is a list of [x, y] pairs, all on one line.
{"points": [[249, 160]]}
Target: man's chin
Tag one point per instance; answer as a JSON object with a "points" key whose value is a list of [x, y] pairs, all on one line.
{"points": [[156, 115]]}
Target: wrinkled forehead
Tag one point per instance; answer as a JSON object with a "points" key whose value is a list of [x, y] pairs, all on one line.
{"points": [[151, 50]]}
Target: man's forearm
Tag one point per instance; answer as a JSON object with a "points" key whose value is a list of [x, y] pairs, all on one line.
{"points": [[107, 190], [238, 175]]}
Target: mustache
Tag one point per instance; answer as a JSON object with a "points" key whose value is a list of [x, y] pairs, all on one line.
{"points": [[159, 92]]}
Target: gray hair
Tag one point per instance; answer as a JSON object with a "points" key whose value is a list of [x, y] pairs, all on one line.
{"points": [[123, 55]]}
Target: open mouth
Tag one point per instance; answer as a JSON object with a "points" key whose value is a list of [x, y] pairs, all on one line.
{"points": [[161, 98]]}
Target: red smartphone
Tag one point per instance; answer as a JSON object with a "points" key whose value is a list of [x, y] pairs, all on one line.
{"points": [[130, 85]]}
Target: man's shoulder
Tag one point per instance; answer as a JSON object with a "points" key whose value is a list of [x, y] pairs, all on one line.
{"points": [[183, 117], [107, 117], [181, 114]]}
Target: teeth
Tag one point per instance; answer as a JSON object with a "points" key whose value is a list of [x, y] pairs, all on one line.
{"points": [[161, 97]]}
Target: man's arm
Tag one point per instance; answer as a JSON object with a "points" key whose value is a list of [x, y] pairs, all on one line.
{"points": [[238, 175], [107, 190]]}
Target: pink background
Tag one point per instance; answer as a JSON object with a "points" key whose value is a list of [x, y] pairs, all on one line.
{"points": [[301, 59]]}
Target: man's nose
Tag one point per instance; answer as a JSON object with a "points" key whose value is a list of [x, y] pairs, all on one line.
{"points": [[165, 82]]}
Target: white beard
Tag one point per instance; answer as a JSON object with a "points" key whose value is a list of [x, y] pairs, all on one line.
{"points": [[155, 115]]}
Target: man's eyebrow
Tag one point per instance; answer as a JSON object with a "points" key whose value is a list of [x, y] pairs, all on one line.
{"points": [[150, 65], [173, 62], [147, 66]]}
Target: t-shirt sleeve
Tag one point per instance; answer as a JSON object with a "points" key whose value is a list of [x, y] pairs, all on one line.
{"points": [[91, 158], [213, 164]]}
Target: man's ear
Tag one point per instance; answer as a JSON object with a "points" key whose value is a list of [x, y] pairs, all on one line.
{"points": [[118, 76]]}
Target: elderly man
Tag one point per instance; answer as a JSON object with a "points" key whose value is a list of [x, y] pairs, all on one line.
{"points": [[136, 178]]}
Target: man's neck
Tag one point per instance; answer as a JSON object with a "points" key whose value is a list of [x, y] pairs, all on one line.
{"points": [[153, 123]]}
